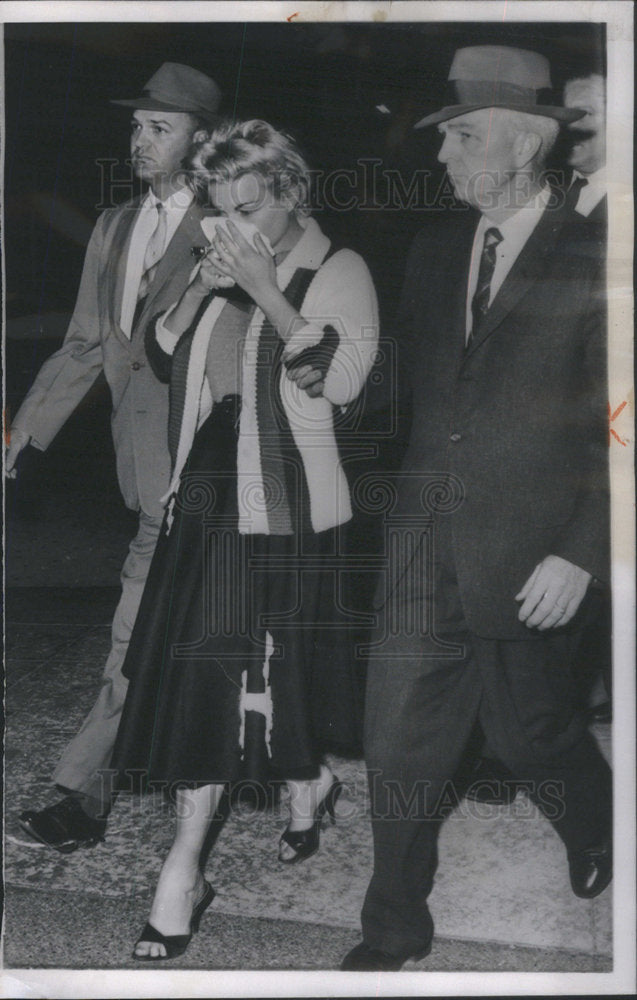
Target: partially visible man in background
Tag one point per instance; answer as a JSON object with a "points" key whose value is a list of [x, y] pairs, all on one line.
{"points": [[137, 263], [587, 156], [589, 197]]}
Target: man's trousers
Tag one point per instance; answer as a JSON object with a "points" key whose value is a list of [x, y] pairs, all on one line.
{"points": [[89, 752], [423, 705]]}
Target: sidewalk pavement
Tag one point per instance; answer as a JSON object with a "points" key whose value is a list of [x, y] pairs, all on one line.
{"points": [[502, 899]]}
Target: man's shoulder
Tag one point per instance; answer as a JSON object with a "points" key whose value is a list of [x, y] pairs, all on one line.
{"points": [[444, 240], [445, 230], [115, 212], [580, 243], [110, 221]]}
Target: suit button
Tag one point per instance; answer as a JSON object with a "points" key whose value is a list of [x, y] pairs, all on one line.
{"points": [[455, 437], [136, 366]]}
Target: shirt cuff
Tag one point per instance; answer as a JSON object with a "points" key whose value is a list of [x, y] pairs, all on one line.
{"points": [[306, 336], [165, 338]]}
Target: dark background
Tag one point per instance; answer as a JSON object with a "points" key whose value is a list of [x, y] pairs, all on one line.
{"points": [[320, 82]]}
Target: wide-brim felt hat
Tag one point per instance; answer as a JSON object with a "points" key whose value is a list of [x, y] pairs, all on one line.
{"points": [[498, 76], [175, 87]]}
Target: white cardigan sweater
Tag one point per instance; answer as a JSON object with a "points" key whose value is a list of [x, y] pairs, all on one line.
{"points": [[341, 295]]}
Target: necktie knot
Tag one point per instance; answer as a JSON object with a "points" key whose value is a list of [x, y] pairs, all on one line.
{"points": [[578, 183], [573, 193], [492, 237]]}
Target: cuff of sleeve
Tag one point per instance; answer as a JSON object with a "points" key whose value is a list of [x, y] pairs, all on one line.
{"points": [[30, 437], [306, 336], [165, 339]]}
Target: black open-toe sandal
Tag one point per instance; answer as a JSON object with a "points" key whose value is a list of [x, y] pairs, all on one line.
{"points": [[175, 944]]}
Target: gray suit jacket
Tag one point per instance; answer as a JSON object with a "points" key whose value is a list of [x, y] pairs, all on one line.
{"points": [[96, 342]]}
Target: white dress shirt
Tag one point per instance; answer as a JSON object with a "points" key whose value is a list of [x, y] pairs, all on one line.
{"points": [[176, 207], [515, 232], [592, 192]]}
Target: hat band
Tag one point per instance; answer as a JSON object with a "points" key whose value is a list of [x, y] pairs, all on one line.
{"points": [[491, 93], [157, 95]]}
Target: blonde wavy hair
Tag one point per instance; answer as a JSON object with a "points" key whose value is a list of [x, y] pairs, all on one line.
{"points": [[237, 148]]}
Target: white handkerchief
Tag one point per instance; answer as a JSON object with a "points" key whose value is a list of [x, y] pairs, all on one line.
{"points": [[210, 224]]}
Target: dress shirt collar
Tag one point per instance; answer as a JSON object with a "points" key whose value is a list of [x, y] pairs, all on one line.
{"points": [[595, 189], [179, 200], [516, 230]]}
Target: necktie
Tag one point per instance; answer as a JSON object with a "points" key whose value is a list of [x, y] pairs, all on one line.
{"points": [[573, 193], [480, 301], [154, 251]]}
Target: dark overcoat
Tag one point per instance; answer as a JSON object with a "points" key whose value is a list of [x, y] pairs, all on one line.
{"points": [[517, 421]]}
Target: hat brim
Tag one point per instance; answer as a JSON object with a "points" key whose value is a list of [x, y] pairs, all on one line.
{"points": [[544, 110], [151, 104]]}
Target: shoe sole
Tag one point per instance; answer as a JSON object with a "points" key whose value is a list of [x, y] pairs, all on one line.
{"points": [[417, 957], [61, 848]]}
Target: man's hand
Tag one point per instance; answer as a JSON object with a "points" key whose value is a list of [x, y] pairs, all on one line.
{"points": [[18, 440], [552, 594], [308, 378]]}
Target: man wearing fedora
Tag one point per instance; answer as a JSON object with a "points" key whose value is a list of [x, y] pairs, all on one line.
{"points": [[502, 342], [137, 263], [587, 155]]}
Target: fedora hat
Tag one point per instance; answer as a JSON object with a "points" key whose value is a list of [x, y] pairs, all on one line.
{"points": [[498, 76], [175, 87]]}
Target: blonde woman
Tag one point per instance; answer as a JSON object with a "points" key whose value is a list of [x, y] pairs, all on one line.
{"points": [[267, 347]]}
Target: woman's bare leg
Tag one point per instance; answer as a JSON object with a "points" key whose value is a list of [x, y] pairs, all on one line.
{"points": [[305, 796], [180, 884]]}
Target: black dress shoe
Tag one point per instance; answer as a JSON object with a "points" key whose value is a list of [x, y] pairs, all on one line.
{"points": [[362, 958], [601, 713], [591, 870], [491, 783], [64, 826]]}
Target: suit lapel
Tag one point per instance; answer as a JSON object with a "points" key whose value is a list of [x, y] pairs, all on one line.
{"points": [[458, 274], [117, 260], [177, 261], [528, 268]]}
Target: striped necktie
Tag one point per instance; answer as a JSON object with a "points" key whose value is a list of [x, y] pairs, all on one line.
{"points": [[480, 301], [154, 251]]}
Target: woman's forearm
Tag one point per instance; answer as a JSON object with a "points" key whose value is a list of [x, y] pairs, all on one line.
{"points": [[186, 309], [279, 312]]}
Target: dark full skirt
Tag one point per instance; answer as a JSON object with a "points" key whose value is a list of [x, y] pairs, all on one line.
{"points": [[242, 663]]}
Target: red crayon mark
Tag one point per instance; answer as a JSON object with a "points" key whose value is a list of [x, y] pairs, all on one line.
{"points": [[613, 416], [288, 19]]}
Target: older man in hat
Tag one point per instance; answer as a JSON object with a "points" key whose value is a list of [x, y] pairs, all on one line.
{"points": [[500, 515], [137, 262]]}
